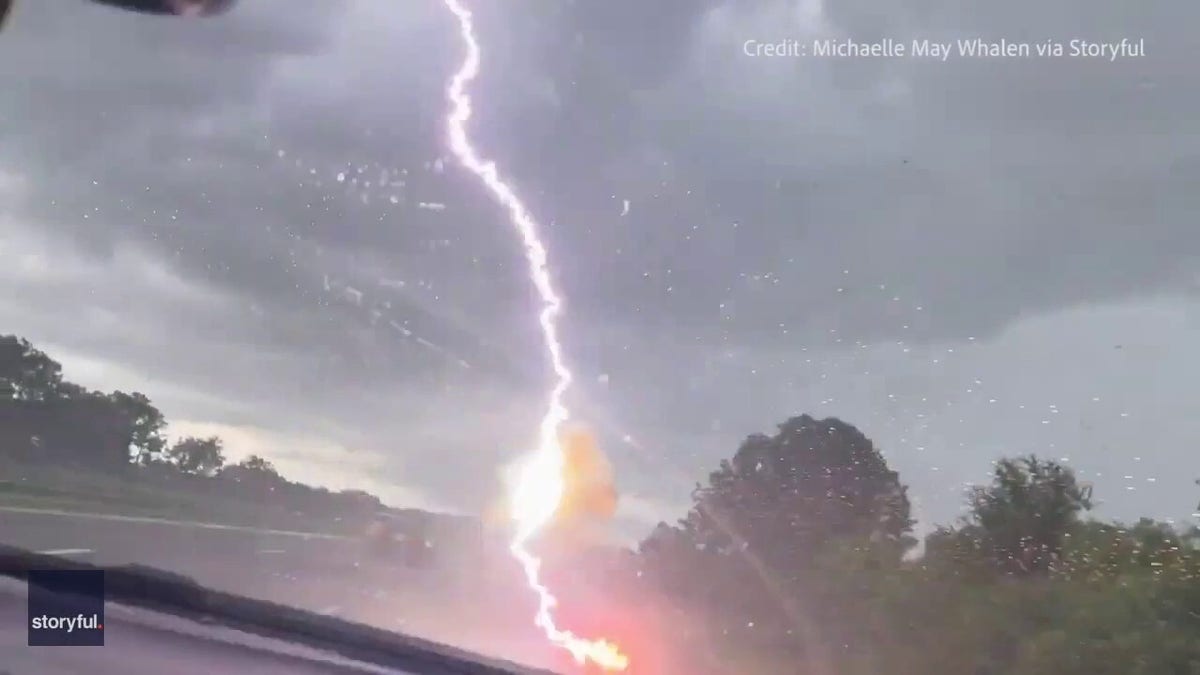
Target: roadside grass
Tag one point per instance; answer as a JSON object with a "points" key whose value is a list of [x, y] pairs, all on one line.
{"points": [[73, 489]]}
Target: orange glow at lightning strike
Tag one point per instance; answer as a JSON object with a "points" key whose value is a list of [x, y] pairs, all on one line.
{"points": [[539, 488]]}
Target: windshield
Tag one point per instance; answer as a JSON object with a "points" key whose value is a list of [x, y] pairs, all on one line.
{"points": [[667, 337]]}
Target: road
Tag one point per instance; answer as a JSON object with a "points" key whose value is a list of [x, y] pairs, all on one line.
{"points": [[261, 563], [321, 573]]}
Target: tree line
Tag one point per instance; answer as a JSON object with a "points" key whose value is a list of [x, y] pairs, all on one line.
{"points": [[798, 556], [46, 420]]}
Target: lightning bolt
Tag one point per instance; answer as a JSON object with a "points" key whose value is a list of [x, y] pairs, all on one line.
{"points": [[539, 488]]}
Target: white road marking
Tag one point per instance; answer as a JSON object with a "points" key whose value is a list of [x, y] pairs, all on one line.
{"points": [[176, 523], [268, 551], [66, 551]]}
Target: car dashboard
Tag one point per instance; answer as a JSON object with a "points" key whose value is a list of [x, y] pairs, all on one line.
{"points": [[157, 622]]}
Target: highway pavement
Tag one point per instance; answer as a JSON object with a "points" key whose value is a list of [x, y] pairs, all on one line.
{"points": [[264, 564]]}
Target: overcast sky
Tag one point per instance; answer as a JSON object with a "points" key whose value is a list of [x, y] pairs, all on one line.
{"points": [[253, 219]]}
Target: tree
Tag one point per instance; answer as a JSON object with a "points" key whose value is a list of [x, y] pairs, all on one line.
{"points": [[1101, 551], [43, 413], [789, 495], [145, 423], [751, 546], [254, 474], [83, 428], [257, 464], [27, 374], [1142, 625], [30, 383], [1022, 519], [198, 456]]}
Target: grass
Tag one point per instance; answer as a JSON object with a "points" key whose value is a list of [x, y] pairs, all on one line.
{"points": [[73, 489]]}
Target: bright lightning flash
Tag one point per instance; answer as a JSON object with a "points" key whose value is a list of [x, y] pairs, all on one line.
{"points": [[540, 485]]}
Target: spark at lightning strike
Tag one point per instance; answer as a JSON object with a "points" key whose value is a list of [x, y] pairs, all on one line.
{"points": [[539, 488]]}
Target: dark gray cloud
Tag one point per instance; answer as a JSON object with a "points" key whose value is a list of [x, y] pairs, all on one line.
{"points": [[869, 165], [255, 215]]}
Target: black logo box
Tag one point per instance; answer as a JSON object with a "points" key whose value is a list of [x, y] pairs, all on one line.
{"points": [[66, 608]]}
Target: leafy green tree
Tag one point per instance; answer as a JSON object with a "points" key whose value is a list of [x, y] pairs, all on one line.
{"points": [[84, 428], [254, 473], [257, 464], [198, 456], [1143, 625], [145, 423], [26, 373], [30, 385], [1022, 519], [749, 549], [62, 420], [1097, 551], [786, 496]]}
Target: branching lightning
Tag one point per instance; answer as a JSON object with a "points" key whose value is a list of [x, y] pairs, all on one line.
{"points": [[539, 488]]}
